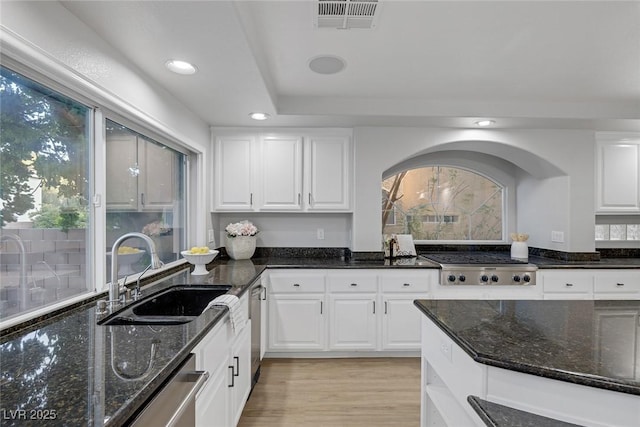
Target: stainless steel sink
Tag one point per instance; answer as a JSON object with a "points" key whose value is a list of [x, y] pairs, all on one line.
{"points": [[174, 306]]}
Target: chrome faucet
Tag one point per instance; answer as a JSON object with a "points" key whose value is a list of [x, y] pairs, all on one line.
{"points": [[23, 266], [114, 286]]}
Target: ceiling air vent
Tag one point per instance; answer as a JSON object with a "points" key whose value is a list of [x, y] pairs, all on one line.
{"points": [[347, 14]]}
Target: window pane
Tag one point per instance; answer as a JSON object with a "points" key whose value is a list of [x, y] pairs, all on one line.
{"points": [[602, 232], [442, 203], [145, 188], [45, 184]]}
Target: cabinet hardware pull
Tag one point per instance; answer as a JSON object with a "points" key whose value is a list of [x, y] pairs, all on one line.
{"points": [[309, 198], [619, 284], [264, 293], [237, 370], [385, 307], [320, 307], [299, 198], [374, 307], [297, 285], [250, 199], [407, 284], [569, 284], [233, 381], [354, 284], [142, 198]]}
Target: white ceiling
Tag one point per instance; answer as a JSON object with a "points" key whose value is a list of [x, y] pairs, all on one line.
{"points": [[526, 64]]}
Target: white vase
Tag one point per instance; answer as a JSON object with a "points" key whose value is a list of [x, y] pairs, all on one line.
{"points": [[520, 251], [241, 247]]}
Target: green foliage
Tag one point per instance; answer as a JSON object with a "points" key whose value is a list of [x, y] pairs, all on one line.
{"points": [[42, 136]]}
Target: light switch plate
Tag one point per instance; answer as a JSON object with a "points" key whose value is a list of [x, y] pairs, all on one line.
{"points": [[557, 236]]}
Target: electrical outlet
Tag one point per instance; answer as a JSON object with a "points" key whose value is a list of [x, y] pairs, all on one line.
{"points": [[212, 236], [320, 234], [557, 236]]}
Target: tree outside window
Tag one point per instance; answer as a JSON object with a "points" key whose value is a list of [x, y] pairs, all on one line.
{"points": [[442, 203]]}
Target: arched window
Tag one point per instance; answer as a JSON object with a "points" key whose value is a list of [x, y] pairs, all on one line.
{"points": [[443, 203]]}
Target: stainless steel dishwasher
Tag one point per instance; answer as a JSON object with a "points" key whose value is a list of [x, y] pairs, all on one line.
{"points": [[175, 404], [254, 315]]}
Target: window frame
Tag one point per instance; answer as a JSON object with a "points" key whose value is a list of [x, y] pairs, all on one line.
{"points": [[69, 83]]}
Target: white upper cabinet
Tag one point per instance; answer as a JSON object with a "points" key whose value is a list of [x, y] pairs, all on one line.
{"points": [[327, 172], [234, 173], [285, 171], [618, 173], [281, 182]]}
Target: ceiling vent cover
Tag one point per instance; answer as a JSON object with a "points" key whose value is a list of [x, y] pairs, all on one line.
{"points": [[347, 14]]}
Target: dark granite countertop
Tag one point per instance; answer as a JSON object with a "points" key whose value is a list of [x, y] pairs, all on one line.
{"points": [[495, 415], [81, 373], [603, 263], [77, 372], [562, 340]]}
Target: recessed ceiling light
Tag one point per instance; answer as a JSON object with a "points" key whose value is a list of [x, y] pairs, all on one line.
{"points": [[180, 67], [259, 116], [327, 64], [484, 123]]}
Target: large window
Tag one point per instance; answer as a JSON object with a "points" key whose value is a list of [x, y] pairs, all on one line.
{"points": [[45, 181], [50, 249], [440, 203]]}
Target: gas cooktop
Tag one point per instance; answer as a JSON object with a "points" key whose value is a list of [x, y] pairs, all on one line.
{"points": [[482, 268]]}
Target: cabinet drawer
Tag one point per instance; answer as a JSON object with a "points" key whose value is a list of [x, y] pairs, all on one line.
{"points": [[405, 283], [304, 282], [623, 282], [570, 282], [352, 282]]}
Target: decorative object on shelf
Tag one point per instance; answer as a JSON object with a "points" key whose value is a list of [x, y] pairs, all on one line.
{"points": [[200, 257], [241, 240], [519, 247]]}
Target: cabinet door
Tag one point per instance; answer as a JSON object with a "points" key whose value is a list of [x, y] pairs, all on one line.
{"points": [[401, 322], [353, 323], [328, 173], [157, 179], [281, 181], [123, 170], [296, 322], [240, 361], [618, 182], [234, 173], [213, 401]]}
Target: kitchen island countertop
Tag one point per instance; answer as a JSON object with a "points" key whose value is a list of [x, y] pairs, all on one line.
{"points": [[583, 342]]}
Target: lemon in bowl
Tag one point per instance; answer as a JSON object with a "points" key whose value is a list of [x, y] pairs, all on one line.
{"points": [[199, 256]]}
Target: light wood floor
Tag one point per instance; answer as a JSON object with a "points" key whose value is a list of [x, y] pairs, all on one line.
{"points": [[335, 392]]}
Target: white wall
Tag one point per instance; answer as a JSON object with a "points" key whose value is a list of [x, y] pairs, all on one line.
{"points": [[555, 182], [291, 229]]}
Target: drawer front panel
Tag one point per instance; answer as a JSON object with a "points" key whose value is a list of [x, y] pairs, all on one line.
{"points": [[617, 283], [352, 282], [405, 283], [574, 282], [286, 283]]}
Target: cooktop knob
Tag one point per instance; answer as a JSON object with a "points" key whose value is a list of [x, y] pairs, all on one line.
{"points": [[451, 278], [494, 278], [462, 278], [516, 278], [526, 278], [484, 278]]}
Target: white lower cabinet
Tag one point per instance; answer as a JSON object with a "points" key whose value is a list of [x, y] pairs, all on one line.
{"points": [[352, 311], [240, 373], [297, 309], [345, 310], [400, 318], [226, 356]]}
